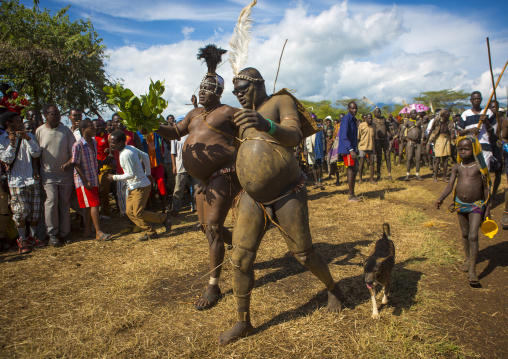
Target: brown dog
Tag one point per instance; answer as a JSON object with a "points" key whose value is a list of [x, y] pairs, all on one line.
{"points": [[377, 268]]}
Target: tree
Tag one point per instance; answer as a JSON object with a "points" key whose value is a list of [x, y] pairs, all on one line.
{"points": [[322, 109], [50, 59], [455, 101]]}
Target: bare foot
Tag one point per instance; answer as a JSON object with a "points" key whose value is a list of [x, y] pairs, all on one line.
{"points": [[334, 305], [239, 330], [435, 179]]}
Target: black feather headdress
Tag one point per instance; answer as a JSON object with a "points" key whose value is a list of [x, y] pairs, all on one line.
{"points": [[212, 55]]}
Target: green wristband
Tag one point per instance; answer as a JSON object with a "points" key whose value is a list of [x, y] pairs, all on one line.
{"points": [[272, 127]]}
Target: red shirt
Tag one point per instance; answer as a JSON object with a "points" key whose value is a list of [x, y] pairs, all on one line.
{"points": [[116, 154], [102, 144]]}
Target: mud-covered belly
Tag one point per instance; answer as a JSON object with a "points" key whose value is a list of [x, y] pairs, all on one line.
{"points": [[414, 134], [202, 159], [265, 170]]}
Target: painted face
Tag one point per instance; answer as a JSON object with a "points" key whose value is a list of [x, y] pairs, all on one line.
{"points": [[413, 114], [30, 115], [207, 95], [171, 120], [244, 92], [465, 149]]}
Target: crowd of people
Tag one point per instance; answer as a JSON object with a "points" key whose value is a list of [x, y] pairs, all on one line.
{"points": [[49, 169]]}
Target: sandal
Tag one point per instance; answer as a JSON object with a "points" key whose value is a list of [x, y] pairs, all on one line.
{"points": [[104, 237], [212, 300]]}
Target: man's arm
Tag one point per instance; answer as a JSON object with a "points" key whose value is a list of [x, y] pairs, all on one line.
{"points": [[287, 132], [343, 133], [175, 132], [145, 159], [33, 147]]}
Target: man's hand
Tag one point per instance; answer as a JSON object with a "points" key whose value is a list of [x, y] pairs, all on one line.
{"points": [[66, 166], [151, 178], [12, 138], [110, 177], [194, 101], [174, 170], [438, 203], [250, 118], [474, 131], [23, 135], [201, 188], [37, 175], [87, 185], [353, 155]]}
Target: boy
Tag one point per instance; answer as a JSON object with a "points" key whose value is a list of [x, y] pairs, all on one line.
{"points": [[470, 199], [366, 135], [86, 180]]}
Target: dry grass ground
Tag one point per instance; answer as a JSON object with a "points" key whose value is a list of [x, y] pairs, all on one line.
{"points": [[125, 298]]}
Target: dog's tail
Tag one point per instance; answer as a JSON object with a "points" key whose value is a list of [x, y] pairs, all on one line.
{"points": [[386, 231]]}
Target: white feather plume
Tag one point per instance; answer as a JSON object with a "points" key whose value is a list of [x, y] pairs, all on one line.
{"points": [[240, 39]]}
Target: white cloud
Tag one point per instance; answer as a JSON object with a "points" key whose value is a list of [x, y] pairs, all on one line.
{"points": [[384, 53], [186, 31]]}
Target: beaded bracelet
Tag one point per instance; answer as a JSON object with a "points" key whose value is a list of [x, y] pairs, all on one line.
{"points": [[272, 127]]}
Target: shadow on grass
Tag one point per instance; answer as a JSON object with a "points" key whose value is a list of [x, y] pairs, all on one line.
{"points": [[402, 297], [289, 266], [370, 194], [496, 255]]}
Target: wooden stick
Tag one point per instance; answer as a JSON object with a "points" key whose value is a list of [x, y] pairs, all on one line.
{"points": [[492, 94], [278, 68], [493, 86], [493, 91]]}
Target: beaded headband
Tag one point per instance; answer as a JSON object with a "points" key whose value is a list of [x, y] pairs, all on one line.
{"points": [[248, 78]]}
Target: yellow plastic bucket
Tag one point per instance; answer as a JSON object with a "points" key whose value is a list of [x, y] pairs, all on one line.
{"points": [[489, 227]]}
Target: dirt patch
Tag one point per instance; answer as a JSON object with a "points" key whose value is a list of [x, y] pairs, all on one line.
{"points": [[127, 298]]}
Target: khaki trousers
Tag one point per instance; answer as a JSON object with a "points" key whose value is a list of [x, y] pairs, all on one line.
{"points": [[135, 209]]}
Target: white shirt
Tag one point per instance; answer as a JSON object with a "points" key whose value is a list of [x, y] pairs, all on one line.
{"points": [[130, 161], [21, 175], [176, 149]]}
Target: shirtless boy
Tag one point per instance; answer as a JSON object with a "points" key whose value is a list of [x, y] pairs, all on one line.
{"points": [[209, 156], [470, 202]]}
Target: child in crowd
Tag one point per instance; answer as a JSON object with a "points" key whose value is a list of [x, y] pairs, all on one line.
{"points": [[86, 178], [470, 198]]}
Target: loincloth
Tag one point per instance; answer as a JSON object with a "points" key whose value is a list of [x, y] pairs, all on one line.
{"points": [[462, 207], [223, 171]]}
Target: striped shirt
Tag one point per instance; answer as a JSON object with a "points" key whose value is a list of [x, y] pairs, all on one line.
{"points": [[470, 120], [21, 175], [85, 155], [130, 160]]}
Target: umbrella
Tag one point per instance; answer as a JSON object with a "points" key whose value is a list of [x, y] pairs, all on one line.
{"points": [[419, 107], [405, 110]]}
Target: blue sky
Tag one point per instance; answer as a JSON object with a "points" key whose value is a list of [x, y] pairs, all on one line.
{"points": [[388, 51]]}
